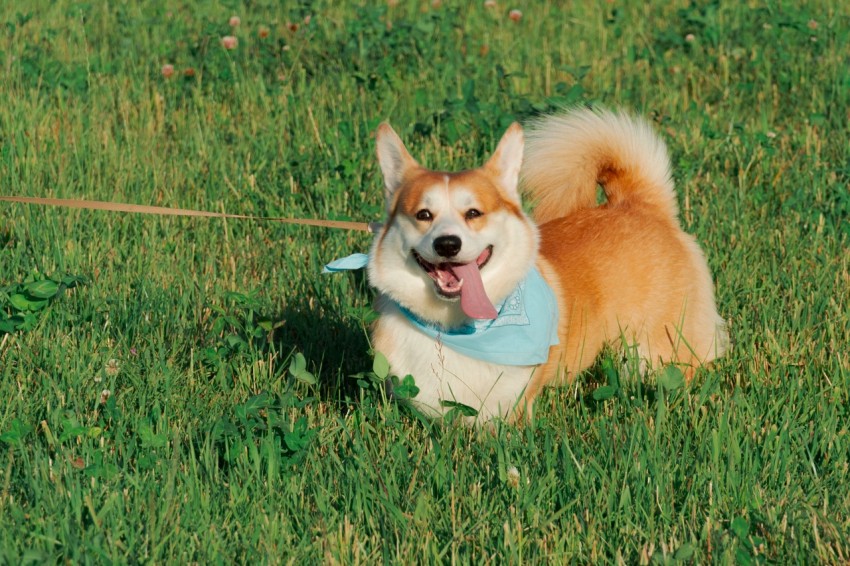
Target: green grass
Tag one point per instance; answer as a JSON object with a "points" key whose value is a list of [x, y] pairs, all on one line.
{"points": [[211, 447]]}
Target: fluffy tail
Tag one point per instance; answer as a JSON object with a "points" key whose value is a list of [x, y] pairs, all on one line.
{"points": [[568, 155]]}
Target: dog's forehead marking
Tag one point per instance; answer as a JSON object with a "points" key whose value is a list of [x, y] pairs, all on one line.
{"points": [[437, 196], [449, 195], [439, 191], [464, 198], [423, 191], [476, 190]]}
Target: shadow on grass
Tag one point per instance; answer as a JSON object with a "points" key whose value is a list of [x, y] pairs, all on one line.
{"points": [[334, 343], [598, 385]]}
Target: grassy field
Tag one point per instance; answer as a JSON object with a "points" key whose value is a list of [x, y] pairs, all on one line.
{"points": [[180, 390]]}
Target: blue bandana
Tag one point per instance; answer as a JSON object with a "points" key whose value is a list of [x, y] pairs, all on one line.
{"points": [[520, 335], [349, 263]]}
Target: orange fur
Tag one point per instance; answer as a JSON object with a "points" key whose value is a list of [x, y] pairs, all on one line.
{"points": [[624, 272], [624, 269]]}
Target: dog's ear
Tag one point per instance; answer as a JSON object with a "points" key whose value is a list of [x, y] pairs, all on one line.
{"points": [[506, 161], [394, 159]]}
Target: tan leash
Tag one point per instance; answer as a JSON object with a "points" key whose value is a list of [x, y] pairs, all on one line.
{"points": [[165, 211]]}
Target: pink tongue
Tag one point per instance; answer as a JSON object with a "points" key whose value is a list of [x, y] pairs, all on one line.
{"points": [[473, 297]]}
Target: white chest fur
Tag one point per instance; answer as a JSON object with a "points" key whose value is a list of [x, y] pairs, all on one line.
{"points": [[443, 374]]}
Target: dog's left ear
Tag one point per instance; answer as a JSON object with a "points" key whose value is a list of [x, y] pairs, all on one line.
{"points": [[506, 161]]}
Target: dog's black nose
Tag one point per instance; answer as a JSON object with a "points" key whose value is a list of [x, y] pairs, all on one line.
{"points": [[447, 246]]}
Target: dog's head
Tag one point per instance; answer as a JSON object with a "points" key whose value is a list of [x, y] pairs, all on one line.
{"points": [[453, 243]]}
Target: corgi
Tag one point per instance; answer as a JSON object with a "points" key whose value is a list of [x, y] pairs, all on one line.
{"points": [[485, 306]]}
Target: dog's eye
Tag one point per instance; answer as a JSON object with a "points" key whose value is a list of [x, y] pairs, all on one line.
{"points": [[472, 213], [424, 215]]}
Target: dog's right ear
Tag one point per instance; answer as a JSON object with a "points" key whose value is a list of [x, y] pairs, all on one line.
{"points": [[395, 161]]}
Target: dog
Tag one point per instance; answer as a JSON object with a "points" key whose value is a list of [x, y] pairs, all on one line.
{"points": [[484, 306]]}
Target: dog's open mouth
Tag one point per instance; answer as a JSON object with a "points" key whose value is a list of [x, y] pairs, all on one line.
{"points": [[464, 280]]}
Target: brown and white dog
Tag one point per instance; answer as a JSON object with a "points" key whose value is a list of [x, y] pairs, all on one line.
{"points": [[457, 248]]}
